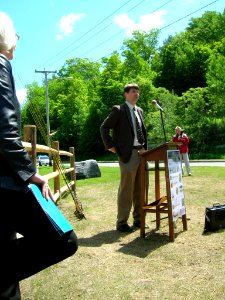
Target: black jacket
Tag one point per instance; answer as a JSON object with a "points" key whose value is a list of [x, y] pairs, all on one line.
{"points": [[120, 121], [16, 166]]}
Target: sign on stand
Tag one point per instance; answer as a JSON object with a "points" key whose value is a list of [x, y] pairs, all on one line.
{"points": [[176, 184]]}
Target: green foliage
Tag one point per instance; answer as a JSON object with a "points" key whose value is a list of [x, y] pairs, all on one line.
{"points": [[199, 120], [90, 142], [142, 44], [216, 83], [82, 68], [155, 120], [185, 75], [70, 111], [138, 52], [207, 29], [111, 85], [35, 106], [182, 64]]}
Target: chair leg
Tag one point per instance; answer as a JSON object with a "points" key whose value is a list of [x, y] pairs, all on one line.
{"points": [[157, 219], [142, 227], [184, 220], [171, 229]]}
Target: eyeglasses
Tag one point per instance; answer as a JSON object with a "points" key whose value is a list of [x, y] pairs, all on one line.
{"points": [[17, 36]]}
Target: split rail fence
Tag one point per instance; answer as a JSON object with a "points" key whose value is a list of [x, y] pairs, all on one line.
{"points": [[30, 144]]}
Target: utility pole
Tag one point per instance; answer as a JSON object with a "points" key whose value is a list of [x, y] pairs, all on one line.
{"points": [[47, 103]]}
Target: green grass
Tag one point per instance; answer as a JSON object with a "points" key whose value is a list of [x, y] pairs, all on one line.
{"points": [[109, 175], [43, 170], [110, 265]]}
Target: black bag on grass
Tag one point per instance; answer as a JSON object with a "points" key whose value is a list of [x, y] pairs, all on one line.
{"points": [[214, 217]]}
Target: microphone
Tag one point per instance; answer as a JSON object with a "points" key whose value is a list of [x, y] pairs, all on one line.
{"points": [[154, 102]]}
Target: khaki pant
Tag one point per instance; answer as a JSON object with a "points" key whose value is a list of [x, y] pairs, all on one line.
{"points": [[185, 158], [129, 189]]}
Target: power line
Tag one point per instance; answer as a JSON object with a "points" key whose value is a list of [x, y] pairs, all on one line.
{"points": [[116, 34], [90, 30], [189, 14], [164, 26], [87, 33], [101, 30], [113, 36]]}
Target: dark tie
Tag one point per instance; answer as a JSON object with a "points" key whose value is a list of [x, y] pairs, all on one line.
{"points": [[140, 135]]}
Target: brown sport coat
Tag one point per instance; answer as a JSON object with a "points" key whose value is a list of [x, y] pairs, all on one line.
{"points": [[122, 137]]}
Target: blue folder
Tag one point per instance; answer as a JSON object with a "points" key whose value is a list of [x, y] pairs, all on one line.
{"points": [[56, 217]]}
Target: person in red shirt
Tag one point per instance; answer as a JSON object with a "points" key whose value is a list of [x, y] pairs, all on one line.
{"points": [[180, 136]]}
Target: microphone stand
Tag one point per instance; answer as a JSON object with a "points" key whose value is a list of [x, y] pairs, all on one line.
{"points": [[163, 126]]}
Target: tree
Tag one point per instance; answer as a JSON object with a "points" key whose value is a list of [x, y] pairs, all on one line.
{"points": [[182, 64], [138, 52], [183, 58], [143, 44], [34, 110], [110, 84], [185, 75], [207, 29], [195, 114], [69, 110], [216, 83], [155, 121]]}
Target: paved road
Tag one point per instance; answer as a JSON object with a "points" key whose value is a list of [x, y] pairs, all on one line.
{"points": [[208, 163], [193, 163]]}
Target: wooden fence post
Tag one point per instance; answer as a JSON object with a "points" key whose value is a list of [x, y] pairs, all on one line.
{"points": [[30, 144], [72, 165], [56, 165], [30, 136]]}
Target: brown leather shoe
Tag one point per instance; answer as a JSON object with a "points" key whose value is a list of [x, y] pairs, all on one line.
{"points": [[124, 228], [138, 224]]}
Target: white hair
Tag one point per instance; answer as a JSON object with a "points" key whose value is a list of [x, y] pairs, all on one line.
{"points": [[8, 36]]}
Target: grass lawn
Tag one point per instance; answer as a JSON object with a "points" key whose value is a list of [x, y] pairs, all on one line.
{"points": [[113, 265]]}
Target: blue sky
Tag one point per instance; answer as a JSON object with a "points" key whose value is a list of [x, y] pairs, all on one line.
{"points": [[53, 31]]}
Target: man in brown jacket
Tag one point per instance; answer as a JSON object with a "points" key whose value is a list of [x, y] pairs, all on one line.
{"points": [[128, 138]]}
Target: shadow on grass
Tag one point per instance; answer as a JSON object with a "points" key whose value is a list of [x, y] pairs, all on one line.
{"points": [[207, 233], [106, 237], [140, 247]]}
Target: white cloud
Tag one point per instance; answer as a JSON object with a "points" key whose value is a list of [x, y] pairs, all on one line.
{"points": [[66, 24], [146, 22], [59, 37], [21, 95]]}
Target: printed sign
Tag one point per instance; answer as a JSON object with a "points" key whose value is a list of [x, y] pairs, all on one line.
{"points": [[176, 184]]}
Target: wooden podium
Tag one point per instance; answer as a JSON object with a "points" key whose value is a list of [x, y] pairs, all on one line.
{"points": [[160, 204]]}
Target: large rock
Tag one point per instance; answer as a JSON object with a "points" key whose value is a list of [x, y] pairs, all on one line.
{"points": [[87, 169]]}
